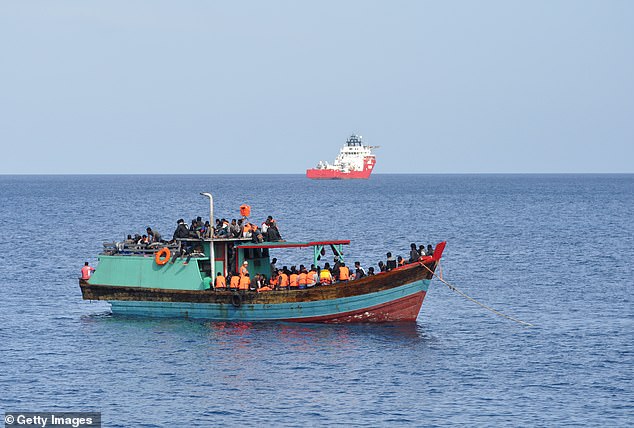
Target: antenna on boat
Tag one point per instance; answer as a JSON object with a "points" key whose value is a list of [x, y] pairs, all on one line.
{"points": [[212, 256]]}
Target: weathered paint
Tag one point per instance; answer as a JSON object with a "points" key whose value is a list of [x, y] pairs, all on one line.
{"points": [[138, 271], [136, 285], [395, 304]]}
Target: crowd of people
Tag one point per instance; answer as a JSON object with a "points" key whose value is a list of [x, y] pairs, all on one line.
{"points": [[223, 229], [303, 277], [293, 278]]}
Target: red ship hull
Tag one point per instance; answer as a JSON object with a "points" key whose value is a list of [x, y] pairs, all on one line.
{"points": [[400, 310], [335, 174]]}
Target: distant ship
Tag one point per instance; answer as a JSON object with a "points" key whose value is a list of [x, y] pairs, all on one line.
{"points": [[355, 160]]}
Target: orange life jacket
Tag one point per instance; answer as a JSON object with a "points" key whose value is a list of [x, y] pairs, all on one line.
{"points": [[344, 273], [235, 281], [302, 278], [221, 282], [293, 280], [283, 280], [245, 281], [243, 270], [310, 278], [274, 280], [265, 288]]}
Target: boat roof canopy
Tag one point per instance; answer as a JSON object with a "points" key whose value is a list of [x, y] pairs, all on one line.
{"points": [[283, 244]]}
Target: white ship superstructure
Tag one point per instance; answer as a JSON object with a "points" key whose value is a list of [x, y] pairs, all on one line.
{"points": [[352, 156]]}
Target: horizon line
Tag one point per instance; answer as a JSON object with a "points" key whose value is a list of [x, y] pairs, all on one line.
{"points": [[302, 174]]}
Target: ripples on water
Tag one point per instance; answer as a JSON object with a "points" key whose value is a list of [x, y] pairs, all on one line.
{"points": [[553, 250]]}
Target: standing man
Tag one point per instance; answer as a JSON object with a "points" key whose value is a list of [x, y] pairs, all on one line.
{"points": [[244, 269], [86, 271]]}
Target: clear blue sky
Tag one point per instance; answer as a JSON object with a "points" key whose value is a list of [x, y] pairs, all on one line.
{"points": [[275, 86]]}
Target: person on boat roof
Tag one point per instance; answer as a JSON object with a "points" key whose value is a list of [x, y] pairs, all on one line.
{"points": [[272, 232], [153, 235], [234, 229], [257, 236], [265, 225], [222, 228], [208, 231], [246, 230], [181, 231]]}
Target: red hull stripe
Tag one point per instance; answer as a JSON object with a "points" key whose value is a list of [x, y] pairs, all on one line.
{"points": [[334, 174], [280, 244], [403, 309]]}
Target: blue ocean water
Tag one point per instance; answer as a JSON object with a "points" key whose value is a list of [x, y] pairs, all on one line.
{"points": [[553, 250]]}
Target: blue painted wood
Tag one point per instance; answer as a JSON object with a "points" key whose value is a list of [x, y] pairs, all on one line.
{"points": [[260, 312]]}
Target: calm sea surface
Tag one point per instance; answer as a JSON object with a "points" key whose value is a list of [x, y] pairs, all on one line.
{"points": [[554, 250]]}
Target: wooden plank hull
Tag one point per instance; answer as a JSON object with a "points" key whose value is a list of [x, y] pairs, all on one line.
{"points": [[388, 297]]}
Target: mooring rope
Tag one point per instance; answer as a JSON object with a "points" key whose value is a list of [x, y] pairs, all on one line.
{"points": [[453, 288]]}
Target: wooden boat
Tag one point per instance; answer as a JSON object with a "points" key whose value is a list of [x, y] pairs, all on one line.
{"points": [[134, 283]]}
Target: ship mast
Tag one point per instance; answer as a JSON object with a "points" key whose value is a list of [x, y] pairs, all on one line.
{"points": [[212, 256]]}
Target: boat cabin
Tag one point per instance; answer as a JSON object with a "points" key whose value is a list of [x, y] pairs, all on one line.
{"points": [[137, 265]]}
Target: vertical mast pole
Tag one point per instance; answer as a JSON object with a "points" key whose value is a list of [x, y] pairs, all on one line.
{"points": [[212, 255]]}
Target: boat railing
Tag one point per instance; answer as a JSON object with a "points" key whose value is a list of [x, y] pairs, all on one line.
{"points": [[133, 249], [126, 249]]}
